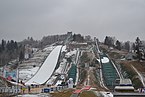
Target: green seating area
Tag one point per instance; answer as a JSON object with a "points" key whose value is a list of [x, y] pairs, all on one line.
{"points": [[109, 73], [72, 72]]}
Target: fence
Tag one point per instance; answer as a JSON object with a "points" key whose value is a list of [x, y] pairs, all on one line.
{"points": [[9, 90], [16, 90], [53, 89]]}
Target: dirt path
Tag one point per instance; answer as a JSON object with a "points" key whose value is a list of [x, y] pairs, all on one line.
{"points": [[91, 80]]}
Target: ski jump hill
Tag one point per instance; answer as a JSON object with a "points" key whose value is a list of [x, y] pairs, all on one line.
{"points": [[47, 68]]}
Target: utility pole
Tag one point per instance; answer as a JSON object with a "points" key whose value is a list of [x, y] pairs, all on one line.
{"points": [[17, 81]]}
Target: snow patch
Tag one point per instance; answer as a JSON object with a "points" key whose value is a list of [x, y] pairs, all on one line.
{"points": [[47, 67], [104, 60]]}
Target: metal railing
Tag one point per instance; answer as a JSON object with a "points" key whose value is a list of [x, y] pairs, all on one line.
{"points": [[9, 90]]}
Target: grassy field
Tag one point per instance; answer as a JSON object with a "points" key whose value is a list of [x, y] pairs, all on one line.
{"points": [[87, 94], [130, 73], [65, 93], [68, 93]]}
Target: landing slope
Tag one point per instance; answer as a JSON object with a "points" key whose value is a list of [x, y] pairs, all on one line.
{"points": [[47, 68]]}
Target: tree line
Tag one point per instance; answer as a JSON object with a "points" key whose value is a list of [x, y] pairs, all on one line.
{"points": [[10, 50], [136, 46]]}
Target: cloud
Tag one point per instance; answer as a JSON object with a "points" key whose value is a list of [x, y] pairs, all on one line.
{"points": [[38, 18]]}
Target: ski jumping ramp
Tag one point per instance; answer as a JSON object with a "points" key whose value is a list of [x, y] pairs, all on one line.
{"points": [[47, 68]]}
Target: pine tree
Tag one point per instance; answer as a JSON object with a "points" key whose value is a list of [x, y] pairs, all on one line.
{"points": [[118, 45], [21, 56], [3, 45], [138, 44]]}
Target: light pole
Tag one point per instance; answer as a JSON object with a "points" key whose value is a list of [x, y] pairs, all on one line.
{"points": [[17, 81]]}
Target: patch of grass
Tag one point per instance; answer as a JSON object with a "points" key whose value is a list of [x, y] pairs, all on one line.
{"points": [[97, 76], [115, 55], [104, 49], [127, 71], [87, 94], [83, 75], [137, 83], [131, 74], [66, 93]]}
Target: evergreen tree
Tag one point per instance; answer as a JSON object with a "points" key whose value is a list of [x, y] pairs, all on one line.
{"points": [[118, 45], [138, 44], [21, 56], [127, 46], [15, 45], [0, 48], [8, 47], [133, 47], [106, 40], [109, 41], [3, 45]]}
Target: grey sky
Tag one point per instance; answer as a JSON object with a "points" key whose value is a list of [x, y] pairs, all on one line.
{"points": [[124, 19]]}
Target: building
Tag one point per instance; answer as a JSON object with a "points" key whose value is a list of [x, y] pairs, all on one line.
{"points": [[125, 85], [74, 45]]}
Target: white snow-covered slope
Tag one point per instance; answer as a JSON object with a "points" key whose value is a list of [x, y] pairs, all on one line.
{"points": [[104, 60], [47, 68]]}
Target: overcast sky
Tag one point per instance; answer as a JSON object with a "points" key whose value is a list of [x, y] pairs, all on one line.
{"points": [[124, 19]]}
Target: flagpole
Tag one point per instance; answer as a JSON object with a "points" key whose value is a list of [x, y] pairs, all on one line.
{"points": [[17, 80], [4, 71]]}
